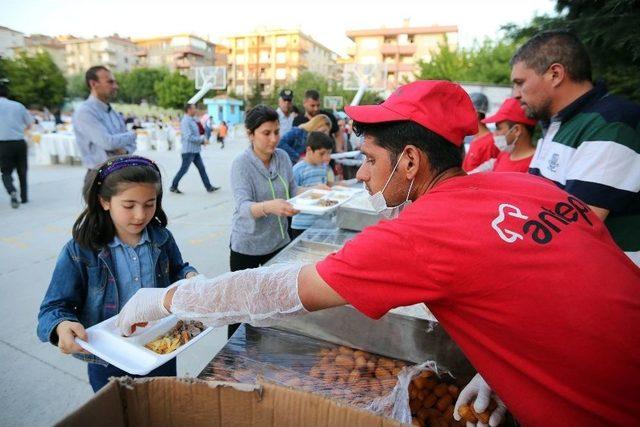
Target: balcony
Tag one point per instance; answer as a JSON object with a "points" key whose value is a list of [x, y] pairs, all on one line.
{"points": [[394, 49]]}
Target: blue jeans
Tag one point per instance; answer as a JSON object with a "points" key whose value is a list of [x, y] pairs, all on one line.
{"points": [[196, 159], [99, 375]]}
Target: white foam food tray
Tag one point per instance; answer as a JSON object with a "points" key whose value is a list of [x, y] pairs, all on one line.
{"points": [[310, 201], [129, 353]]}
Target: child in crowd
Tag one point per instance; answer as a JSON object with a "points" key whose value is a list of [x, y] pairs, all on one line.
{"points": [[120, 244], [311, 171]]}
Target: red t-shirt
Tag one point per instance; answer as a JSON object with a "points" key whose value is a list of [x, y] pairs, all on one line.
{"points": [[505, 164], [480, 150], [527, 281]]}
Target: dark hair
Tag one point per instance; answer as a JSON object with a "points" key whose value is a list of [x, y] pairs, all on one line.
{"points": [[258, 115], [312, 94], [4, 88], [319, 140], [555, 46], [92, 74], [394, 136], [187, 107], [94, 228]]}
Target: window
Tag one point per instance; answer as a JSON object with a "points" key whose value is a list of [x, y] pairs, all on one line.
{"points": [[281, 57], [281, 41], [240, 59], [240, 43], [411, 38], [389, 39], [240, 89], [261, 87], [265, 56], [281, 73], [370, 43]]}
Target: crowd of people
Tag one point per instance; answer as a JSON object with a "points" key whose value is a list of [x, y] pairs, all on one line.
{"points": [[526, 252]]}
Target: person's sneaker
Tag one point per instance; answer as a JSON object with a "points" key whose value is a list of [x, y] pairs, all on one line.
{"points": [[212, 189], [14, 201], [175, 190]]}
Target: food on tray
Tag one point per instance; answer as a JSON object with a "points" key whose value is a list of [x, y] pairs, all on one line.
{"points": [[431, 401], [179, 335], [325, 203], [354, 376], [469, 414]]}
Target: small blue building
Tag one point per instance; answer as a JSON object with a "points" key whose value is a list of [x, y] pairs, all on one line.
{"points": [[224, 108]]}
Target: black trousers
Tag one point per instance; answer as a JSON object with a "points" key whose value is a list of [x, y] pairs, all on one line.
{"points": [[237, 262], [13, 156]]}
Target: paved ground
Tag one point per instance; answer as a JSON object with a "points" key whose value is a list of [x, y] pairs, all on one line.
{"points": [[39, 385]]}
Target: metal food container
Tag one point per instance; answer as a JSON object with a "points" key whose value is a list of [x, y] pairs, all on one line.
{"points": [[356, 214]]}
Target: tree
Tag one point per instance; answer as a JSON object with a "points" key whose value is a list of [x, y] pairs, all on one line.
{"points": [[174, 90], [487, 62], [77, 87], [35, 81], [139, 84], [609, 30]]}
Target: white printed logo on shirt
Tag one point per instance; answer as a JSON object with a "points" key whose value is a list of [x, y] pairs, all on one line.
{"points": [[542, 226]]}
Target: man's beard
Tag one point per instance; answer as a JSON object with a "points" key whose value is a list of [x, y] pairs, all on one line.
{"points": [[543, 112]]}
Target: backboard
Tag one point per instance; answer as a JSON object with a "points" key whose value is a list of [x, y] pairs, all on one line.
{"points": [[374, 76], [216, 76]]}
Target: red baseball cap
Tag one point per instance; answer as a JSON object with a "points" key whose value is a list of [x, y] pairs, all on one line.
{"points": [[512, 111], [440, 106]]}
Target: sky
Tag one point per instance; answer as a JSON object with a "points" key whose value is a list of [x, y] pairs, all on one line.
{"points": [[326, 21]]}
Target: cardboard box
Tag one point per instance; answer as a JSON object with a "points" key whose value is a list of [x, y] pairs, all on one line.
{"points": [[174, 402]]}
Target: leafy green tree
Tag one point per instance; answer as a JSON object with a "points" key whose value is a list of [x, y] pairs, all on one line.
{"points": [[35, 81], [609, 30], [77, 87], [139, 84], [486, 62], [174, 90]]}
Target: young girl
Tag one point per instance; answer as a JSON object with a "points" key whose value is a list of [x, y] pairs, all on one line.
{"points": [[120, 244]]}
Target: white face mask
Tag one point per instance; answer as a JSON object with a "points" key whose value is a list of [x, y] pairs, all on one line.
{"points": [[379, 203], [502, 144]]}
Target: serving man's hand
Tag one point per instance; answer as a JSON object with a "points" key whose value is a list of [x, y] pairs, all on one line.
{"points": [[479, 390], [145, 306]]}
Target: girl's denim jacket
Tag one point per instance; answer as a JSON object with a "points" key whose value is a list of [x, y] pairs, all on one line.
{"points": [[83, 287]]}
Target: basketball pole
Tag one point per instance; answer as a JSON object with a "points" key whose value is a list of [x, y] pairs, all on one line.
{"points": [[206, 87], [361, 90]]}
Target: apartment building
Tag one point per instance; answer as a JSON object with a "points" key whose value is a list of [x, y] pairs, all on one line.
{"points": [[400, 48], [180, 52], [271, 58], [9, 39], [115, 52], [39, 43]]}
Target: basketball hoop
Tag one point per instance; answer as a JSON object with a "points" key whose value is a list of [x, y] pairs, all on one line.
{"points": [[209, 78]]}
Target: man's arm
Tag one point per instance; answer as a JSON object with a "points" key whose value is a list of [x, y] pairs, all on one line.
{"points": [[315, 294], [96, 132]]}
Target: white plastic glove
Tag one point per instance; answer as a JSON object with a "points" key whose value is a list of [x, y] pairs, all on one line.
{"points": [[480, 390], [146, 305], [259, 296]]}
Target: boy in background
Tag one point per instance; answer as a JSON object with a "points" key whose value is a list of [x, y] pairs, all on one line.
{"points": [[310, 171]]}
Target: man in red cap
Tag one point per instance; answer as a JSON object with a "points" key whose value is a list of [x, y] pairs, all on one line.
{"points": [[487, 256], [513, 137]]}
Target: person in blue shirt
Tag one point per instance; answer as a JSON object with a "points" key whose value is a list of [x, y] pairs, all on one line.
{"points": [[120, 245], [293, 142], [192, 141], [311, 171]]}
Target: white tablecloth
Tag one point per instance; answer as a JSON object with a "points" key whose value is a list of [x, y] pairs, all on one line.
{"points": [[62, 145]]}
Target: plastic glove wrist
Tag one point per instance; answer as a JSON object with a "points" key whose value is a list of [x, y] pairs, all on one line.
{"points": [[479, 392]]}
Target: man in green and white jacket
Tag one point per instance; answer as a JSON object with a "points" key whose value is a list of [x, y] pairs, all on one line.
{"points": [[591, 139]]}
